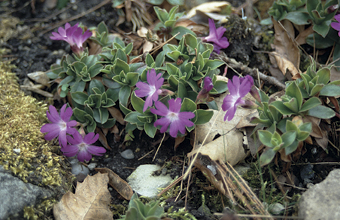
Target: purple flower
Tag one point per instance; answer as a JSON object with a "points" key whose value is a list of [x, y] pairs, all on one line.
{"points": [[216, 37], [82, 146], [336, 25], [203, 95], [72, 35], [177, 120], [150, 90], [238, 88], [60, 126]]}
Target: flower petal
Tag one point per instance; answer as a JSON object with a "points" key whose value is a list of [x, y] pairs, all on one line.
{"points": [[84, 155], [91, 138], [164, 122], [99, 151], [161, 110], [336, 26], [175, 105]]}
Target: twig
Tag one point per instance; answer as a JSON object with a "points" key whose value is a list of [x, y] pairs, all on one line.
{"points": [[254, 72]]}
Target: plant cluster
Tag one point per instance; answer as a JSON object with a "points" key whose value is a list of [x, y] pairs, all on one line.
{"points": [[169, 91], [282, 122], [319, 14], [139, 211]]}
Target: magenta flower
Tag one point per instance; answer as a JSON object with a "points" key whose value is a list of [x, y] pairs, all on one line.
{"points": [[238, 88], [72, 35], [203, 95], [150, 90], [216, 37], [82, 147], [60, 126], [336, 25], [173, 117]]}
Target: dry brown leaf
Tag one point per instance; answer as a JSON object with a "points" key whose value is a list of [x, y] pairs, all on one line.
{"points": [[335, 74], [316, 130], [301, 38], [40, 77], [122, 187], [115, 113], [323, 142], [102, 138], [284, 65], [91, 201], [209, 7], [228, 147], [287, 53]]}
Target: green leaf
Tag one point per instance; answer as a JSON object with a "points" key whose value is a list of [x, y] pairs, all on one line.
{"points": [[290, 126], [137, 103], [188, 105], [95, 70], [121, 66], [176, 2], [324, 75], [310, 103], [299, 18], [124, 95], [265, 137], [317, 88], [162, 14], [182, 31], [291, 148], [96, 84], [203, 116], [149, 61], [322, 112], [213, 64], [267, 156], [172, 69], [156, 2], [293, 91], [281, 108], [131, 78], [288, 138], [150, 129], [191, 41], [132, 117], [302, 135], [330, 90], [321, 29], [79, 97], [182, 90]]}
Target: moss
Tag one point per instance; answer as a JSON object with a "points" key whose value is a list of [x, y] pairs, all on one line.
{"points": [[23, 149]]}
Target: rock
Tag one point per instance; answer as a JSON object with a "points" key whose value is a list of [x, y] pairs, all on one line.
{"points": [[144, 183], [15, 194], [322, 201], [127, 154]]}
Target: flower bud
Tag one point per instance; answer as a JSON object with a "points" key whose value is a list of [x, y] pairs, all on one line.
{"points": [[332, 8], [255, 93]]}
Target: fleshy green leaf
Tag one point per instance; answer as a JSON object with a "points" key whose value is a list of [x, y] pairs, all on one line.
{"points": [[79, 97], [322, 112], [267, 156], [310, 103], [330, 90], [265, 137], [188, 105], [137, 103], [203, 116]]}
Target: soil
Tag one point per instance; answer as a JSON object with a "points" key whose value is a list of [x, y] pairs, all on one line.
{"points": [[31, 50]]}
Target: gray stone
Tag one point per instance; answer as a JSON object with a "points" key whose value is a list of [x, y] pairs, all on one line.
{"points": [[322, 201], [144, 183], [16, 194], [127, 154]]}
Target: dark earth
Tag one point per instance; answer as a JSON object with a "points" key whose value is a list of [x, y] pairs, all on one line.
{"points": [[32, 50]]}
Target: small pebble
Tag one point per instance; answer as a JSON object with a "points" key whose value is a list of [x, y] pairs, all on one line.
{"points": [[127, 154], [91, 166]]}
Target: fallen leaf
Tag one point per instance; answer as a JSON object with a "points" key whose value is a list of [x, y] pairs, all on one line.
{"points": [[213, 6], [316, 130], [40, 77], [228, 147], [115, 113], [121, 186], [90, 201], [301, 38], [102, 138], [287, 53]]}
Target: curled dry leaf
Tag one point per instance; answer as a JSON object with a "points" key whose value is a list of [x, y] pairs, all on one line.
{"points": [[122, 187], [40, 77], [91, 201]]}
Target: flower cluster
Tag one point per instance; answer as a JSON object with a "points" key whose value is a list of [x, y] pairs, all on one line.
{"points": [[238, 88], [72, 35], [216, 37], [61, 125]]}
